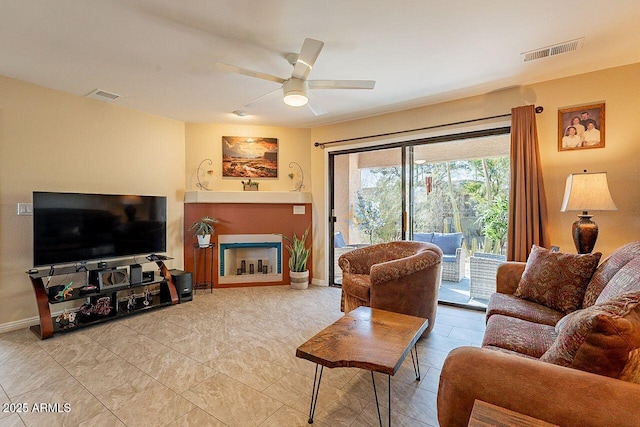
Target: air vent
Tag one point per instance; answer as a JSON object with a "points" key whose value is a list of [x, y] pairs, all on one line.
{"points": [[103, 95], [556, 49]]}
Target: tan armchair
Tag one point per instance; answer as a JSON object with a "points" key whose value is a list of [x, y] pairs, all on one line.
{"points": [[402, 277]]}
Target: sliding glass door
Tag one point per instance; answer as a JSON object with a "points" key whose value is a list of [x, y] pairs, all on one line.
{"points": [[367, 200], [460, 192], [454, 186]]}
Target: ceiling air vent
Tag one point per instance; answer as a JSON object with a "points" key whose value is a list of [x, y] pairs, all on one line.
{"points": [[103, 95], [555, 49]]}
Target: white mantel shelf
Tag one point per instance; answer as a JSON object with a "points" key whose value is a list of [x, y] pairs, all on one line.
{"points": [[292, 197]]}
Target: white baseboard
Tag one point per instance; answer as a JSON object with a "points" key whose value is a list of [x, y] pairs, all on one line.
{"points": [[24, 323], [19, 324], [318, 282]]}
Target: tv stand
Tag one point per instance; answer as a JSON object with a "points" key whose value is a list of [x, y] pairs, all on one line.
{"points": [[135, 303]]}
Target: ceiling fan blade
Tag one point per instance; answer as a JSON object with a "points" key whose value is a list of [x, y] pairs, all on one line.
{"points": [[260, 98], [342, 84], [308, 54], [250, 73], [315, 106]]}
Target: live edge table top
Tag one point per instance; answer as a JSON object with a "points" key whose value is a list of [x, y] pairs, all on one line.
{"points": [[366, 338]]}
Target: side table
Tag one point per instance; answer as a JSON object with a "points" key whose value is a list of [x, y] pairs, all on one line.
{"points": [[487, 415], [207, 259]]}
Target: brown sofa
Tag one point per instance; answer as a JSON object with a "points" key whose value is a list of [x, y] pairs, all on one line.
{"points": [[402, 277], [582, 370]]}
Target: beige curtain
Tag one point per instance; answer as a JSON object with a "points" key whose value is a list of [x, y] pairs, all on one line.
{"points": [[527, 203]]}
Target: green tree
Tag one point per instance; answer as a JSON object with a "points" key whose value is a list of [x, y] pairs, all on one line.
{"points": [[385, 195], [429, 210], [495, 218], [367, 215], [489, 196], [456, 211], [460, 192]]}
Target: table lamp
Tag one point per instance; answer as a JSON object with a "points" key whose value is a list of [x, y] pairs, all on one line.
{"points": [[586, 192]]}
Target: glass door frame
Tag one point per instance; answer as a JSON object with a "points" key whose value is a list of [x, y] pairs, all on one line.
{"points": [[331, 175], [407, 203]]}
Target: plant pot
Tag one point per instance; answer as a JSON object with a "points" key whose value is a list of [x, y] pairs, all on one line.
{"points": [[299, 279], [203, 241]]}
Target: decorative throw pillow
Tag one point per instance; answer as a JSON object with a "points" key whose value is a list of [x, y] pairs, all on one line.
{"points": [[423, 237], [556, 280], [448, 242], [631, 371], [609, 268], [601, 339], [564, 321], [623, 282]]}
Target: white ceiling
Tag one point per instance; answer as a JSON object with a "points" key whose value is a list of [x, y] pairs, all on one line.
{"points": [[160, 55]]}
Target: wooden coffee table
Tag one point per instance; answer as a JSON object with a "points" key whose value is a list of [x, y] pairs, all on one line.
{"points": [[366, 338]]}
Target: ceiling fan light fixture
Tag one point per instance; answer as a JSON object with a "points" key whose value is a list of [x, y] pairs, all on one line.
{"points": [[295, 92], [295, 99]]}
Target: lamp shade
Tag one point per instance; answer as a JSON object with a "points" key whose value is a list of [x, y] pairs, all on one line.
{"points": [[587, 192]]}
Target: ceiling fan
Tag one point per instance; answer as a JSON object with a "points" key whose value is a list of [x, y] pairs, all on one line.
{"points": [[296, 88]]}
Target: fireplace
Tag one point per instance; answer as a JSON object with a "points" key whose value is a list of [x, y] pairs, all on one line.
{"points": [[249, 258], [247, 213]]}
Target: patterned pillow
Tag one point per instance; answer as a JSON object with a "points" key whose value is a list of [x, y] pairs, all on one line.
{"points": [[607, 269], [556, 280], [601, 339], [564, 321], [631, 371], [623, 282]]}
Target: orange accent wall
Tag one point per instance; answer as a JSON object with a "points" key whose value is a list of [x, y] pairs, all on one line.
{"points": [[245, 218]]}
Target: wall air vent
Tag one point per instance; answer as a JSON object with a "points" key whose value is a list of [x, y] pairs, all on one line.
{"points": [[555, 49], [103, 95]]}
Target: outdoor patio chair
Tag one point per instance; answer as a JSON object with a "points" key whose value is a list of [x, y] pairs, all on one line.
{"points": [[482, 271], [454, 254]]}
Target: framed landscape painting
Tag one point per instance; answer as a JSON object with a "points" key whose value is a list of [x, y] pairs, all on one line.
{"points": [[249, 157], [581, 127]]}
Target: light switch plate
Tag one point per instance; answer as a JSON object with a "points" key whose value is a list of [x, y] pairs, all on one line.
{"points": [[25, 208], [299, 210]]}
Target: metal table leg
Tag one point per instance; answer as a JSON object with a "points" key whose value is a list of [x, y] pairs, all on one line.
{"points": [[416, 369], [416, 365], [375, 393], [314, 393]]}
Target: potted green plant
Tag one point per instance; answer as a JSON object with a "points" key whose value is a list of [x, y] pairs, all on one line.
{"points": [[298, 256], [203, 229]]}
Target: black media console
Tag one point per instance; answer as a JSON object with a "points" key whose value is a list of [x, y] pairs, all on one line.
{"points": [[108, 293]]}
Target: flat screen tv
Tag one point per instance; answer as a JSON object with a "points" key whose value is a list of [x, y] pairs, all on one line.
{"points": [[73, 227]]}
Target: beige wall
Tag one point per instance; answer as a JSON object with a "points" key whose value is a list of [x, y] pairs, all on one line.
{"points": [[616, 87], [204, 141], [53, 141]]}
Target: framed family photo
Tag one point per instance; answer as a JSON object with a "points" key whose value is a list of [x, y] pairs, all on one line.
{"points": [[249, 157], [581, 127]]}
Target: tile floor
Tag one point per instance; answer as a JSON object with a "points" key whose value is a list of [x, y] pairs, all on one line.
{"points": [[458, 293], [224, 359]]}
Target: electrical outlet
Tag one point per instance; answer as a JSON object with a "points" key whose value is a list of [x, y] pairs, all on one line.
{"points": [[299, 210], [25, 208]]}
